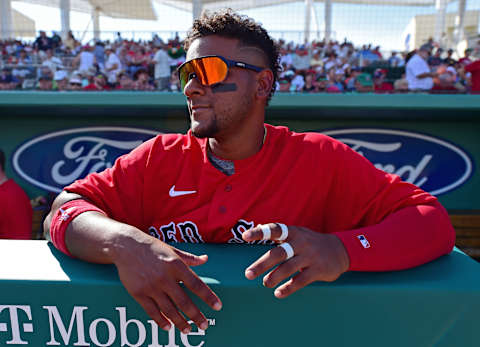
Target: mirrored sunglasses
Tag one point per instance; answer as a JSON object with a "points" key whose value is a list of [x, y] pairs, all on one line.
{"points": [[209, 70]]}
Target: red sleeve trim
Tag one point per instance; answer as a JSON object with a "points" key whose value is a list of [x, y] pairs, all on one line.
{"points": [[409, 237], [63, 217]]}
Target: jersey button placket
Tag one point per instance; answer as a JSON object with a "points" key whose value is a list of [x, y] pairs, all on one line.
{"points": [[228, 188]]}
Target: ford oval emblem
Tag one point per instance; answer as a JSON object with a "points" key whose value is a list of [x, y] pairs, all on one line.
{"points": [[54, 160], [431, 163]]}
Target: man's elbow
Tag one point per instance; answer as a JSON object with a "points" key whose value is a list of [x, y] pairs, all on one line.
{"points": [[61, 199], [445, 233]]}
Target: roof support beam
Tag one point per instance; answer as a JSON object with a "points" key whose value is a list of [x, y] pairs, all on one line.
{"points": [[460, 22], [441, 7], [6, 28], [96, 23], [308, 11], [328, 20], [65, 17]]}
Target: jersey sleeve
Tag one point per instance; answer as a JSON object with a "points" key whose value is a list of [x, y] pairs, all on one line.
{"points": [[119, 190], [384, 223]]}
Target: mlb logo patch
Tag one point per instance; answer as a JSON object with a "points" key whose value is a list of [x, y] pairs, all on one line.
{"points": [[363, 241]]}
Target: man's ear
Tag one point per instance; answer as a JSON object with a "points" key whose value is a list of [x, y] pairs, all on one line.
{"points": [[264, 83]]}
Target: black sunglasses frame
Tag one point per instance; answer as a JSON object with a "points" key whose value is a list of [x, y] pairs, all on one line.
{"points": [[228, 62]]}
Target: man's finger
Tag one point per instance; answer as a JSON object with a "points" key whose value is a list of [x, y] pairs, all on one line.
{"points": [[268, 260], [278, 231], [297, 282], [186, 305], [171, 312], [154, 312], [283, 271], [199, 288], [191, 259]]}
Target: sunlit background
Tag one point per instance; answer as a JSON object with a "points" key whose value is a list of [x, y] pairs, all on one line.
{"points": [[391, 24]]}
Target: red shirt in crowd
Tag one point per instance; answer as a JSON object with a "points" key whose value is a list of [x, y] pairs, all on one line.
{"points": [[15, 212], [474, 69], [385, 87]]}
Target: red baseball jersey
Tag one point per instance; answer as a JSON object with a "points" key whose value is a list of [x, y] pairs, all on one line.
{"points": [[169, 188], [15, 212]]}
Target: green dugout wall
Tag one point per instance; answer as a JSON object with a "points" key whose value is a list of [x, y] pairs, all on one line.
{"points": [[433, 140], [53, 300]]}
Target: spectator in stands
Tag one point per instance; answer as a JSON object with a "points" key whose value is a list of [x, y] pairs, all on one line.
{"points": [[56, 41], [316, 61], [22, 66], [7, 80], [286, 58], [449, 59], [138, 60], [321, 83], [99, 53], [419, 75], [43, 42], [298, 81], [113, 66], [60, 80], [401, 85], [124, 82], [85, 60], [336, 77], [141, 81], [444, 84], [301, 59], [174, 85], [474, 70], [350, 80], [379, 83], [466, 59], [284, 84], [45, 82], [309, 86], [330, 61], [364, 83], [16, 211], [377, 52], [161, 67], [395, 60], [70, 41], [51, 61], [436, 59], [99, 83], [75, 82]]}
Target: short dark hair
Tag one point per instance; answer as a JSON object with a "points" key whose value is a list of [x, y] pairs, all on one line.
{"points": [[229, 24], [2, 160]]}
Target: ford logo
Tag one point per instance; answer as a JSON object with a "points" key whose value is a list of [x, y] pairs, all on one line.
{"points": [[57, 159], [433, 164]]}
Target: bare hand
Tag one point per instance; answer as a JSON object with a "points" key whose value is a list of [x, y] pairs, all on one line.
{"points": [[151, 271], [317, 257]]}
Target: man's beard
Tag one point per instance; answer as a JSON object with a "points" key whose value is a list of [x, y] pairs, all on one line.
{"points": [[209, 131]]}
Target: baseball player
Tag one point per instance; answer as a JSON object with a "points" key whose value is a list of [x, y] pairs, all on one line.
{"points": [[234, 179]]}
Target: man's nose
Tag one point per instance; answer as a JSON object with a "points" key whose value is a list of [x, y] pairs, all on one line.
{"points": [[192, 87]]}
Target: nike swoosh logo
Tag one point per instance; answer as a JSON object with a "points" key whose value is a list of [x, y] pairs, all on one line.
{"points": [[173, 193]]}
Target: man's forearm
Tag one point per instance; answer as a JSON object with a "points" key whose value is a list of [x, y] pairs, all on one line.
{"points": [[92, 236]]}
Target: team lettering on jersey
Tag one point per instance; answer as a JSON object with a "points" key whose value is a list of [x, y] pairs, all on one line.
{"points": [[239, 228], [188, 232]]}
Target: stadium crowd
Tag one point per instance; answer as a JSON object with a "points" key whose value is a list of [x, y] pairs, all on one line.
{"points": [[50, 63]]}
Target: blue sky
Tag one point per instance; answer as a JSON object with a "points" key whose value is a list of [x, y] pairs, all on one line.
{"points": [[362, 24]]}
